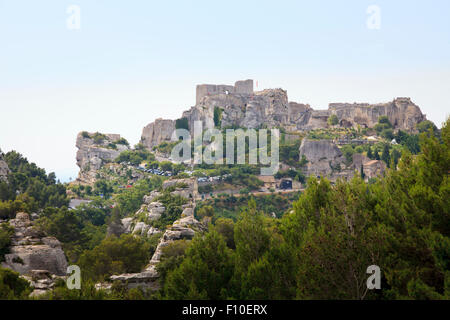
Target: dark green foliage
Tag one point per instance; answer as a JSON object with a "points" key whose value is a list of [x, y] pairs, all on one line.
{"points": [[322, 249], [230, 206], [383, 125], [426, 126], [205, 272], [385, 155], [290, 173], [410, 141], [225, 227], [217, 116], [333, 120], [78, 229], [348, 151], [122, 141], [289, 153], [5, 240], [387, 134], [29, 188], [376, 155], [98, 138], [135, 157], [130, 200], [126, 254], [12, 286], [173, 210], [172, 256], [369, 153], [182, 123], [166, 166]]}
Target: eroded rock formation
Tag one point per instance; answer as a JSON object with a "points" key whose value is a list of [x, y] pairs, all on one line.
{"points": [[183, 228], [33, 250], [157, 132], [322, 156], [402, 113], [242, 107], [39, 259], [94, 150]]}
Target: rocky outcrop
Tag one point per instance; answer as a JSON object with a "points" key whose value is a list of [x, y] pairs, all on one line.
{"points": [[322, 155], [402, 113], [267, 108], [94, 150], [186, 188], [183, 228], [32, 250], [299, 114], [4, 169], [203, 112], [41, 281], [242, 107], [157, 132]]}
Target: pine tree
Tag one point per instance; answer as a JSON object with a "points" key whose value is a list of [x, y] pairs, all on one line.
{"points": [[376, 155], [369, 153], [385, 156]]}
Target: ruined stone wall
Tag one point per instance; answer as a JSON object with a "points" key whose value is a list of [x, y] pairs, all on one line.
{"points": [[243, 86], [240, 87]]}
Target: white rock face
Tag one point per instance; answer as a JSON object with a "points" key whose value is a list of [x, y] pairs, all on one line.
{"points": [[32, 250], [153, 195], [126, 222], [157, 132], [321, 156], [140, 228]]}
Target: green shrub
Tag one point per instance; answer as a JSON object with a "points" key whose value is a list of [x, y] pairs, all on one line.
{"points": [[6, 232], [333, 120], [182, 123]]}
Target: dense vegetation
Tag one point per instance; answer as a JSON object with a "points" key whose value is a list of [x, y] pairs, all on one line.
{"points": [[229, 206], [29, 188], [318, 246], [322, 249]]}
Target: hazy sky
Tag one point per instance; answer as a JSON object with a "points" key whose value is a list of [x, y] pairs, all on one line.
{"points": [[133, 61]]}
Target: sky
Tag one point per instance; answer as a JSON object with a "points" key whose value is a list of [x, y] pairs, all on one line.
{"points": [[127, 63]]}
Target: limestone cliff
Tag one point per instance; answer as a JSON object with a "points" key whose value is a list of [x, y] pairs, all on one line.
{"points": [[322, 156], [33, 250], [95, 149], [157, 132], [402, 113], [242, 107]]}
